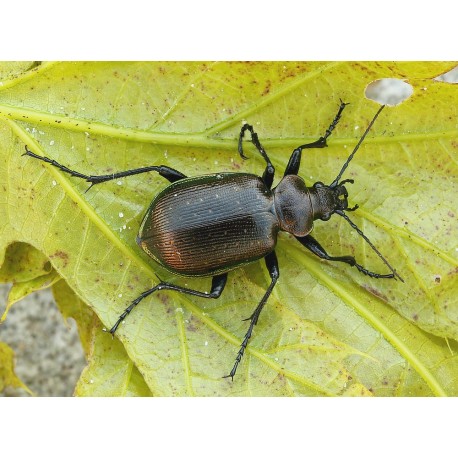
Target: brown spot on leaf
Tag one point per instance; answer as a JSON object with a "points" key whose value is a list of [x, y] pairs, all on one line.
{"points": [[267, 88], [191, 326], [453, 271], [164, 298], [376, 292], [62, 255]]}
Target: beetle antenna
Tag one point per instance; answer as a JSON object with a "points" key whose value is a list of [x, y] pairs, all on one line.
{"points": [[336, 181], [360, 232]]}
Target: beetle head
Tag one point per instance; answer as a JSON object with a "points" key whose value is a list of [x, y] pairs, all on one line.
{"points": [[330, 199]]}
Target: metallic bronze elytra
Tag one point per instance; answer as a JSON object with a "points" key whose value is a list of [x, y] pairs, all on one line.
{"points": [[191, 215], [209, 225]]}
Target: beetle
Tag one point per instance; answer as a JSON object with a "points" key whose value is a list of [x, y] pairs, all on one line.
{"points": [[209, 225]]}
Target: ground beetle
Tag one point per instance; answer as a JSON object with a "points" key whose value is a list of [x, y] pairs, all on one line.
{"points": [[209, 225]]}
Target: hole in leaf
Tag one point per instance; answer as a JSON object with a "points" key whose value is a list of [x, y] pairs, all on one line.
{"points": [[388, 91], [449, 77]]}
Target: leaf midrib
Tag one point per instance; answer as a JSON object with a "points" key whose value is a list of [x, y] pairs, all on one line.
{"points": [[195, 139]]}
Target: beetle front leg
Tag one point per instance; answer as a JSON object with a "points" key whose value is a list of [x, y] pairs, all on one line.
{"points": [[295, 160], [269, 172], [272, 267], [218, 284], [309, 242]]}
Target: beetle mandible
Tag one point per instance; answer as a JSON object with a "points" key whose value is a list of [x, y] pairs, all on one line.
{"points": [[211, 224]]}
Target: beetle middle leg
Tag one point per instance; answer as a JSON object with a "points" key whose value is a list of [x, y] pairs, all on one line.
{"points": [[312, 244], [269, 172], [218, 284], [272, 267], [166, 172]]}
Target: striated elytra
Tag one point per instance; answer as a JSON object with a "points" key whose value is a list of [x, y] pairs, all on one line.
{"points": [[209, 225]]}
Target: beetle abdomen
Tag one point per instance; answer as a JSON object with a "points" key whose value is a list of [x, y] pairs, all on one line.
{"points": [[210, 224]]}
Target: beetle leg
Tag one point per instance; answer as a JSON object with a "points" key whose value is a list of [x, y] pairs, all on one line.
{"points": [[295, 160], [309, 242], [218, 284], [272, 267], [269, 172], [166, 172]]}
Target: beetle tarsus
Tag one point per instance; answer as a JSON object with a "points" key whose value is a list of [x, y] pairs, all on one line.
{"points": [[335, 120]]}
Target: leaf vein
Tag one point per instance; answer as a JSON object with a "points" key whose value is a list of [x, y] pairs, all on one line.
{"points": [[184, 351]]}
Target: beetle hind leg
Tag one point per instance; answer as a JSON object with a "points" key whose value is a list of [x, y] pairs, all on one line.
{"points": [[218, 284], [272, 267]]}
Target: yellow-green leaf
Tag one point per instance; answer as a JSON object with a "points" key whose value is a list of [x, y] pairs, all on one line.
{"points": [[23, 262], [7, 375], [22, 289], [327, 329], [28, 269], [110, 371], [71, 306]]}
